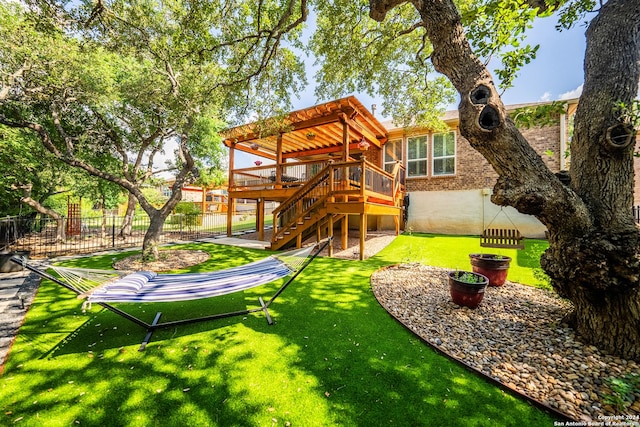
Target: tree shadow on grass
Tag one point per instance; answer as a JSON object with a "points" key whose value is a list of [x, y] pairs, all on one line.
{"points": [[333, 357]]}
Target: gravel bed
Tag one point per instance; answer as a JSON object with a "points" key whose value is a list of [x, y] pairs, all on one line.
{"points": [[515, 336]]}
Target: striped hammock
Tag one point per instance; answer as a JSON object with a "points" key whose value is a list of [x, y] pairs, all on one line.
{"points": [[108, 286]]}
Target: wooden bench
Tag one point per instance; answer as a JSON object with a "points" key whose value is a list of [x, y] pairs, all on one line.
{"points": [[502, 238]]}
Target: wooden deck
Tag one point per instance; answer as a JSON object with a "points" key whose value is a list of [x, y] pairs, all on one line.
{"points": [[324, 166], [315, 204]]}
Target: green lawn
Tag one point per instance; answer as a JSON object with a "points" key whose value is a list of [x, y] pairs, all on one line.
{"points": [[333, 357]]}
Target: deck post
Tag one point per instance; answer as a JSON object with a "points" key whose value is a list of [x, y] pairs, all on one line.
{"points": [[363, 233], [279, 162], [231, 208], [345, 232], [345, 137], [330, 235], [230, 202], [260, 218]]}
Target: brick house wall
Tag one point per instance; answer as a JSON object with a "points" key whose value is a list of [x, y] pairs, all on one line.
{"points": [[374, 155], [472, 171], [459, 203]]}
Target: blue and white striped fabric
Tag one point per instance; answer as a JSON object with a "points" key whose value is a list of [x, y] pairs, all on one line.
{"points": [[152, 287]]}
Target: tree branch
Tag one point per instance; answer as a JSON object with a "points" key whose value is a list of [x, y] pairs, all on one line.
{"points": [[4, 91], [525, 181], [67, 139], [71, 160]]}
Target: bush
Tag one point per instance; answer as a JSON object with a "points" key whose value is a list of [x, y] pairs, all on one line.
{"points": [[187, 214]]}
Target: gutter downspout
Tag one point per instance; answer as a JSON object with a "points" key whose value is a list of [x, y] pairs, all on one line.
{"points": [[563, 142]]}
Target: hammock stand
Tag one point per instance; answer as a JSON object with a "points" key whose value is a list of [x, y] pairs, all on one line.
{"points": [[156, 324], [502, 237]]}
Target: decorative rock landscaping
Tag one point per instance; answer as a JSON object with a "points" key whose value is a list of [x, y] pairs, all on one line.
{"points": [[516, 336]]}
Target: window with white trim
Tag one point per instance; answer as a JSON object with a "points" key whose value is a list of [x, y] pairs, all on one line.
{"points": [[417, 156], [392, 154], [444, 154]]}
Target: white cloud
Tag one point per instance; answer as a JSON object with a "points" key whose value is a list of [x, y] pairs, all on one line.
{"points": [[575, 93], [545, 97]]}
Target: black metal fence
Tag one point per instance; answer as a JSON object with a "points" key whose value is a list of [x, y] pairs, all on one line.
{"points": [[39, 235]]}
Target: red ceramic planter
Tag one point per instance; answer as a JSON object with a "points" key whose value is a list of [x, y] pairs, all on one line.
{"points": [[467, 294], [495, 267]]}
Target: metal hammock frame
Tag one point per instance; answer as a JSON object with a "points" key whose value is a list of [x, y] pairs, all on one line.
{"points": [[156, 324]]}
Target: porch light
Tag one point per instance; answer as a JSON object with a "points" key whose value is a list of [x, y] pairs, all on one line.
{"points": [[254, 146], [258, 162], [363, 144]]}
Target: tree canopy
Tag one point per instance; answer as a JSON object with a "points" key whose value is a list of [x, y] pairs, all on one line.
{"points": [[112, 83]]}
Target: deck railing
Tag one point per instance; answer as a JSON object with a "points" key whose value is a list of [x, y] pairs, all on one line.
{"points": [[339, 181], [275, 176], [303, 202]]}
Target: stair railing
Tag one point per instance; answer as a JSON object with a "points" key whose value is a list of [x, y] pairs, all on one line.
{"points": [[300, 204]]}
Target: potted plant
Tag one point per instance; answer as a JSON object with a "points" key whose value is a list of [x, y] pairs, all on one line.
{"points": [[467, 288], [495, 267]]}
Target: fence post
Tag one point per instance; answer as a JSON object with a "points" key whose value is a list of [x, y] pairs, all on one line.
{"points": [[113, 230]]}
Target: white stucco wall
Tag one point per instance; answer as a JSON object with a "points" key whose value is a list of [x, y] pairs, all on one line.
{"points": [[465, 212]]}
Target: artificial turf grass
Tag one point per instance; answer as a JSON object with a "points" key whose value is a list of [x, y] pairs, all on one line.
{"points": [[334, 357], [452, 252]]}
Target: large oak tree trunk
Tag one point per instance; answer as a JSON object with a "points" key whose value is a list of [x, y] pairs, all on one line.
{"points": [[151, 240], [593, 258], [598, 272], [598, 268], [157, 217]]}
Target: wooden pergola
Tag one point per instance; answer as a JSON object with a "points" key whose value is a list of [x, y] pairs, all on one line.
{"points": [[332, 129]]}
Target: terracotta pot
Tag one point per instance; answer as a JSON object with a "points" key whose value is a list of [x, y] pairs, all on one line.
{"points": [[495, 267], [464, 293]]}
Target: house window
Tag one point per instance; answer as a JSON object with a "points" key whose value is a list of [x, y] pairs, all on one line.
{"points": [[444, 154], [417, 154], [392, 154]]}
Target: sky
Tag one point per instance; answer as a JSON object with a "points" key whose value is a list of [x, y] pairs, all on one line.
{"points": [[555, 74]]}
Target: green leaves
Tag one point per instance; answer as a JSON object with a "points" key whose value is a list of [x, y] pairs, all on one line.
{"points": [[358, 54], [392, 58], [574, 11], [539, 115], [497, 29]]}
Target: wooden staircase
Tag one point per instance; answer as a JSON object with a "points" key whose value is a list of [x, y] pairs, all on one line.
{"points": [[337, 190], [301, 211]]}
